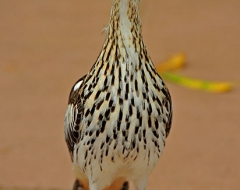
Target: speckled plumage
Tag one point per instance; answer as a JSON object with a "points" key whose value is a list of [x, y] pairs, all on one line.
{"points": [[120, 113]]}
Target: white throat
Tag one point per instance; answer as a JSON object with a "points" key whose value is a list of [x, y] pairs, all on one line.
{"points": [[126, 14]]}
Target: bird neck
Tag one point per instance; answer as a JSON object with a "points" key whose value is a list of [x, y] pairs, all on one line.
{"points": [[125, 18], [124, 28]]}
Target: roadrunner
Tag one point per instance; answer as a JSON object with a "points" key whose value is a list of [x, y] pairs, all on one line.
{"points": [[119, 114]]}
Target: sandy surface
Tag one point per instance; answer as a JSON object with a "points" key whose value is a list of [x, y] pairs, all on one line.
{"points": [[46, 45]]}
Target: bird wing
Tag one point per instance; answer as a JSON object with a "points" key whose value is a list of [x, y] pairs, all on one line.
{"points": [[73, 116], [170, 112]]}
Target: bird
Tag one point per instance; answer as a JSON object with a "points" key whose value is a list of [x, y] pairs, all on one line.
{"points": [[120, 113]]}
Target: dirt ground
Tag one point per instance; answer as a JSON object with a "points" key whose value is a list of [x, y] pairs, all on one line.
{"points": [[46, 45]]}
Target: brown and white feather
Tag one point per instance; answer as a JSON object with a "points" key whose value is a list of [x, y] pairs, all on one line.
{"points": [[120, 113]]}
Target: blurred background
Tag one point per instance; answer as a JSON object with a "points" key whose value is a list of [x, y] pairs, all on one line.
{"points": [[46, 45]]}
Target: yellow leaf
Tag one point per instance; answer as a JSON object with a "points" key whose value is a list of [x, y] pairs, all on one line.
{"points": [[175, 62], [209, 86]]}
